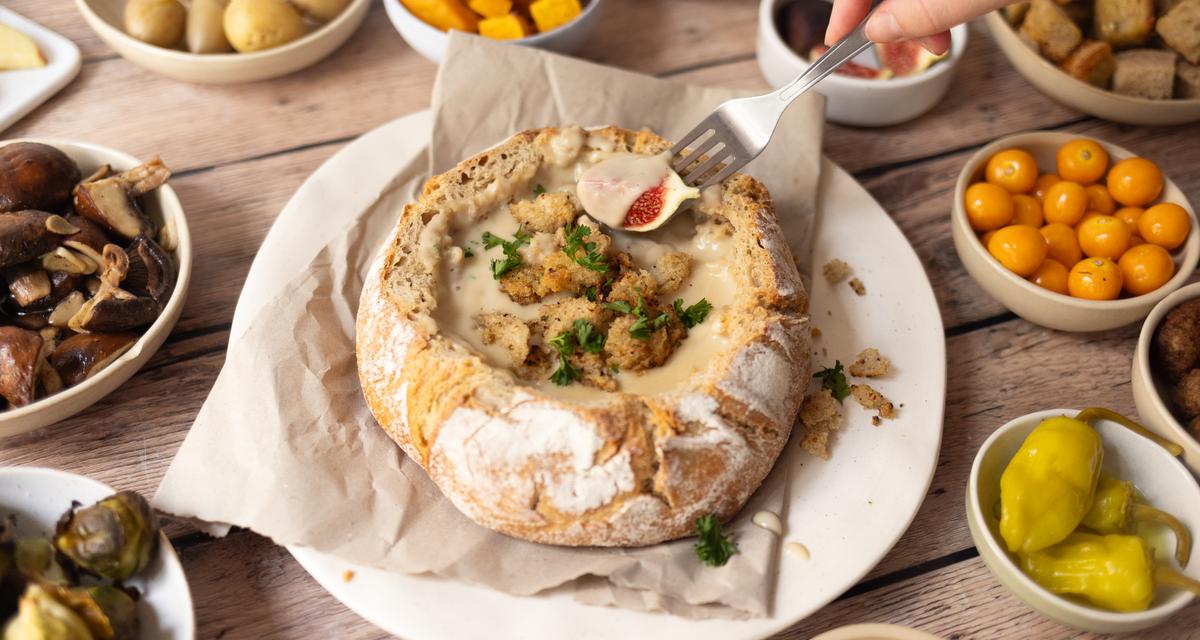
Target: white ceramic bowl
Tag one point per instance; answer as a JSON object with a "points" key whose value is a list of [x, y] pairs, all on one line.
{"points": [[1038, 305], [858, 101], [105, 18], [430, 42], [162, 206], [1077, 94], [1149, 391], [1163, 481], [39, 496], [875, 632]]}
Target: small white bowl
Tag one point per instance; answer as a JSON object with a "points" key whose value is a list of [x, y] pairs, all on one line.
{"points": [[875, 632], [1149, 391], [162, 206], [430, 42], [1038, 305], [105, 17], [39, 497], [858, 101], [1163, 481]]}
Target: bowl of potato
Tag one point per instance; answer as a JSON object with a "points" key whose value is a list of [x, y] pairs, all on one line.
{"points": [[224, 41]]}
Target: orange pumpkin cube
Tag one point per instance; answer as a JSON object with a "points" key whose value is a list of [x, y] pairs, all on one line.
{"points": [[490, 8], [509, 27], [444, 14], [552, 14]]}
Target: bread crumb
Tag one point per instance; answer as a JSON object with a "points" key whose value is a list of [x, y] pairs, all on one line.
{"points": [[858, 286], [673, 269], [506, 330], [870, 364], [816, 333], [869, 398], [876, 421], [820, 416], [547, 213], [347, 575], [836, 270]]}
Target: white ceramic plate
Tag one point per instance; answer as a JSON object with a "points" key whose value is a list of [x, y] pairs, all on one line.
{"points": [[22, 91], [848, 511], [39, 496]]}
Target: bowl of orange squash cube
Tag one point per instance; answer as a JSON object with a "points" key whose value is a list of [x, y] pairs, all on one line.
{"points": [[1072, 233], [555, 25]]}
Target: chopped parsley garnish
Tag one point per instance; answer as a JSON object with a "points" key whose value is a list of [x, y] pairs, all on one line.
{"points": [[834, 379], [713, 548], [620, 306], [577, 239], [643, 325], [539, 190], [581, 336], [512, 259], [467, 253], [694, 314], [590, 294]]}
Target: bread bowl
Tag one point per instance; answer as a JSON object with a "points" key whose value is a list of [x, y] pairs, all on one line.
{"points": [[633, 464]]}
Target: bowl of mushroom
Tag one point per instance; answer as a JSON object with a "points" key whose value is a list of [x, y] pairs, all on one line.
{"points": [[96, 258]]}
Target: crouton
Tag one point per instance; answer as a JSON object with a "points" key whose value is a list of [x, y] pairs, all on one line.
{"points": [[635, 354], [560, 273], [1079, 11], [672, 270], [1015, 12], [1187, 80], [821, 416], [870, 364], [858, 286], [632, 286], [559, 316], [521, 284], [1048, 25], [835, 271], [1145, 73], [869, 398], [548, 212], [1179, 28], [594, 371], [1092, 62], [508, 331], [1123, 23]]}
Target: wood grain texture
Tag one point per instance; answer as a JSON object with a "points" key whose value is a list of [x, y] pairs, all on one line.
{"points": [[241, 152]]}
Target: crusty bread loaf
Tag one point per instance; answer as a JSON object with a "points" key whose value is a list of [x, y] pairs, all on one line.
{"points": [[630, 470]]}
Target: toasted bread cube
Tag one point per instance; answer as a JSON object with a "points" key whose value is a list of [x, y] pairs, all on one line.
{"points": [[445, 14], [491, 8], [1180, 29], [1145, 73], [1187, 80], [1124, 23], [1092, 62], [1015, 12], [672, 270], [870, 398], [870, 364], [1048, 25], [507, 331], [552, 14], [1080, 11], [548, 212], [510, 27]]}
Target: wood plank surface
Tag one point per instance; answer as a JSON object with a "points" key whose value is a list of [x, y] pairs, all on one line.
{"points": [[241, 151]]}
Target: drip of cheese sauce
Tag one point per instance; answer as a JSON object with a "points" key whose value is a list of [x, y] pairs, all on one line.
{"points": [[768, 520]]}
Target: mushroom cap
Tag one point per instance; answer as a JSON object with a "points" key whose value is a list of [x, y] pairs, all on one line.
{"points": [[35, 176], [19, 351], [24, 236], [84, 354]]}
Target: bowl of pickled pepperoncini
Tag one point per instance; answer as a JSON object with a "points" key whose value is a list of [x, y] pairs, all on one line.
{"points": [[1088, 518]]}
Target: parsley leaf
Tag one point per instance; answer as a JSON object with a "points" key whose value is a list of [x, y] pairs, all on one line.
{"points": [[713, 548], [590, 294], [620, 306], [566, 373], [587, 337], [644, 324], [834, 379], [467, 253], [694, 314], [583, 335], [512, 259], [539, 190], [640, 329], [575, 240]]}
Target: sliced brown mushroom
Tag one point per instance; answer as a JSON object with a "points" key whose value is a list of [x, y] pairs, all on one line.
{"points": [[63, 260], [28, 284], [24, 236], [47, 375], [66, 309], [31, 320], [112, 203], [19, 351], [112, 308], [90, 235], [151, 272], [58, 225], [63, 284], [83, 355], [35, 176]]}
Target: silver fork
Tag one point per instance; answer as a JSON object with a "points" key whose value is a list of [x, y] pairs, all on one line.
{"points": [[742, 127]]}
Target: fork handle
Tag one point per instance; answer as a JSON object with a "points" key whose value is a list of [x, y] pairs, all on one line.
{"points": [[841, 52]]}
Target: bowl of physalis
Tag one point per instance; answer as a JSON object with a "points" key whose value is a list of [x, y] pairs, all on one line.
{"points": [[554, 25], [1088, 518], [1072, 233]]}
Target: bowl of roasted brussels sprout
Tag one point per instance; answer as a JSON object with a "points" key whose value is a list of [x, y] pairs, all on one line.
{"points": [[81, 561], [224, 41], [95, 255]]}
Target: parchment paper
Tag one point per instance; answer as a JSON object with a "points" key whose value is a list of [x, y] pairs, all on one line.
{"points": [[284, 444]]}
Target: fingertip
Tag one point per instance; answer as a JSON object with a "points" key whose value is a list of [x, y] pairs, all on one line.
{"points": [[937, 44]]}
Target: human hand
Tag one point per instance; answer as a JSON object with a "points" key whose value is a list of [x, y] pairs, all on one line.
{"points": [[927, 21]]}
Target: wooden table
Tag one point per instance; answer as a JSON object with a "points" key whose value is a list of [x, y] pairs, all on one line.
{"points": [[239, 152]]}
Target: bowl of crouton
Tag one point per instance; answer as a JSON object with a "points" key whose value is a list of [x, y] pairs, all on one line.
{"points": [[1130, 61]]}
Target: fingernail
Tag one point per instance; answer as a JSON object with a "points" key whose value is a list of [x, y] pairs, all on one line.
{"points": [[882, 27], [933, 45]]}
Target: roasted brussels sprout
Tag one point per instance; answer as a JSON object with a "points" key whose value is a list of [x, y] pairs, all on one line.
{"points": [[114, 538], [40, 616], [35, 561], [11, 582], [110, 613]]}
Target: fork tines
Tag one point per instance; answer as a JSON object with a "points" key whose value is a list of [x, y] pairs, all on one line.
{"points": [[709, 146]]}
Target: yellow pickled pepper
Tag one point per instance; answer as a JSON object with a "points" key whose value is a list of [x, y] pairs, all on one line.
{"points": [[1047, 488], [1115, 509]]}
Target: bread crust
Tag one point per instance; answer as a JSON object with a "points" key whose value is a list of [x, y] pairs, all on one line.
{"points": [[632, 470]]}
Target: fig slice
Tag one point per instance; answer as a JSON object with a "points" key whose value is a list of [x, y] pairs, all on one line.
{"points": [[633, 192], [905, 58], [656, 205]]}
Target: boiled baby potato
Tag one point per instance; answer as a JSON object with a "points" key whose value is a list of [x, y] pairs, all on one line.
{"points": [[206, 28], [323, 10], [156, 22], [254, 25]]}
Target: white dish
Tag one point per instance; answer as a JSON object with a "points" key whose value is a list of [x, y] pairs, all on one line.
{"points": [[39, 496], [858, 101], [430, 42], [1149, 393], [1163, 481], [161, 206], [829, 500], [875, 632], [22, 91]]}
